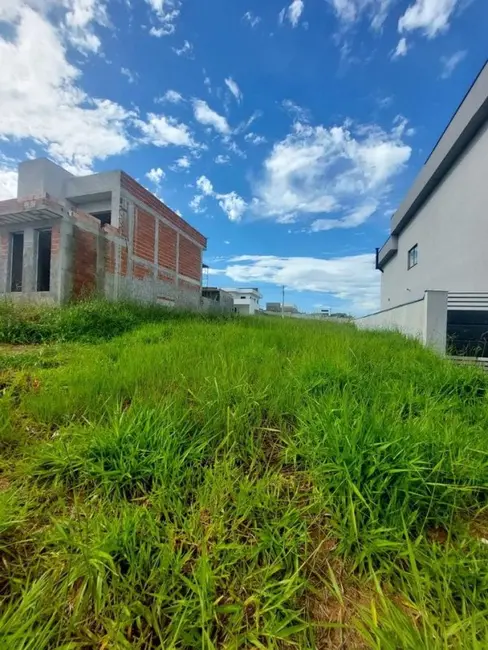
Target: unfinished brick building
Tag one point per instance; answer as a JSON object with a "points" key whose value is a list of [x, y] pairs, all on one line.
{"points": [[69, 236]]}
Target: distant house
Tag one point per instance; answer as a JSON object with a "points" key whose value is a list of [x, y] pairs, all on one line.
{"points": [[277, 307], [217, 300], [438, 236], [246, 300], [67, 236]]}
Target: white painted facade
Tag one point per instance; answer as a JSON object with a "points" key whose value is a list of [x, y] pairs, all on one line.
{"points": [[424, 319], [246, 300], [445, 213]]}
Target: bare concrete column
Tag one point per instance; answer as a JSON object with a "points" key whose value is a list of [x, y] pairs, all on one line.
{"points": [[62, 267], [29, 261], [435, 320]]}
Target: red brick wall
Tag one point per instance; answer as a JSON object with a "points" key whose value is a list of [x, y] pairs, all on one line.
{"points": [[123, 261], [167, 247], [190, 259], [141, 272], [165, 276], [149, 199], [144, 235], [109, 257], [85, 262]]}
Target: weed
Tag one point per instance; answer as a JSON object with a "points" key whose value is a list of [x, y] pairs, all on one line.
{"points": [[172, 481]]}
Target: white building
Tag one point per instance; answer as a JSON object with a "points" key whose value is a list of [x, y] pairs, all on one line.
{"points": [[438, 236], [246, 300]]}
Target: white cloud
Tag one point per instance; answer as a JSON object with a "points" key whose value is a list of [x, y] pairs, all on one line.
{"points": [[329, 170], [234, 89], [163, 131], [429, 16], [196, 204], [131, 76], [251, 18], [205, 186], [233, 205], [183, 162], [221, 159], [449, 63], [186, 48], [294, 12], [351, 220], [401, 49], [171, 96], [350, 11], [255, 138], [78, 23], [8, 178], [41, 101], [281, 16], [352, 279], [208, 117], [155, 175], [166, 12]]}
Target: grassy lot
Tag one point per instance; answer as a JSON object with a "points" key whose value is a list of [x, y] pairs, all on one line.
{"points": [[169, 481]]}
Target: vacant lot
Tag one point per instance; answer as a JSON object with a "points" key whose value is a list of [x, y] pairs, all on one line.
{"points": [[173, 482]]}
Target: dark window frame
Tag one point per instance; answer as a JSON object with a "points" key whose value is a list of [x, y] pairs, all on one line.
{"points": [[43, 264], [16, 284], [413, 257]]}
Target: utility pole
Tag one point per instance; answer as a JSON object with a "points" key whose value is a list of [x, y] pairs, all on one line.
{"points": [[283, 302]]}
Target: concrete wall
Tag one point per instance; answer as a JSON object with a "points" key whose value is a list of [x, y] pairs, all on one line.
{"points": [[41, 176], [424, 319], [451, 231]]}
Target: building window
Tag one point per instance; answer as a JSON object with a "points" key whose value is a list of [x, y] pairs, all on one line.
{"points": [[104, 217], [413, 256], [44, 260], [17, 261], [243, 297]]}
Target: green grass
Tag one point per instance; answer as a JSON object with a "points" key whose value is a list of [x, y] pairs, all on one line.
{"points": [[170, 481]]}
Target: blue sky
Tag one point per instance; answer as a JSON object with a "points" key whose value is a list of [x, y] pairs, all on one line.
{"points": [[286, 132]]}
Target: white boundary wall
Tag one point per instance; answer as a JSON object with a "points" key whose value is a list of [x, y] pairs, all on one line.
{"points": [[424, 319]]}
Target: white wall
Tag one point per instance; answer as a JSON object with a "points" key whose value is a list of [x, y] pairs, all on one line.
{"points": [[424, 319], [451, 231]]}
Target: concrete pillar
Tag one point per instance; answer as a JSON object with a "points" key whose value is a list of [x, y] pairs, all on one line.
{"points": [[435, 320], [29, 261]]}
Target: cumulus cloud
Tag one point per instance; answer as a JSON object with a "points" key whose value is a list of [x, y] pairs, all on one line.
{"points": [[221, 159], [234, 89], [41, 99], [401, 49], [231, 203], [8, 178], [183, 163], [79, 24], [329, 170], [449, 63], [162, 131], [205, 186], [155, 175], [165, 12], [251, 18], [352, 279], [431, 17], [208, 117]]}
